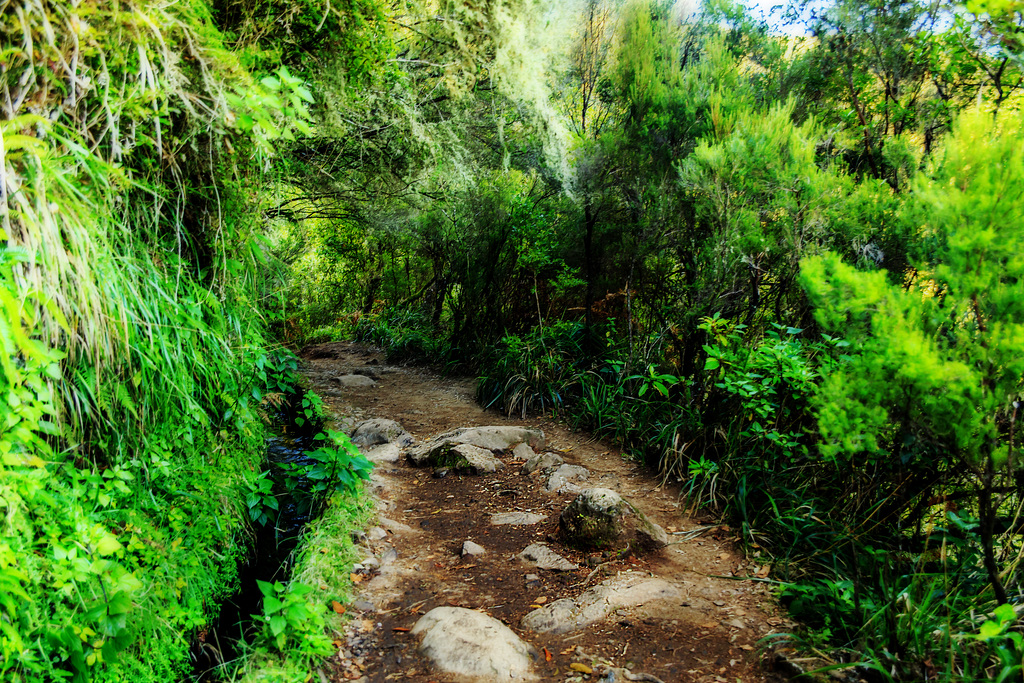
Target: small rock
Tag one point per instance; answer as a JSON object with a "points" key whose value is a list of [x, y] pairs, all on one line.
{"points": [[543, 557], [736, 623], [353, 381], [384, 453], [468, 643], [395, 527], [544, 461], [388, 557], [375, 533], [523, 452], [367, 565], [564, 478], [516, 518], [472, 549], [363, 605]]}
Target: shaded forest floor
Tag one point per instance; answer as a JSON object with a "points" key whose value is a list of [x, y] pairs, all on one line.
{"points": [[414, 561]]}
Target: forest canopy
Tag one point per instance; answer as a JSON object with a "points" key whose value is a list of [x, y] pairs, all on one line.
{"points": [[781, 263]]}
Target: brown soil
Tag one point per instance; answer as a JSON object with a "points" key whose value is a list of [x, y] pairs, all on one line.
{"points": [[710, 634]]}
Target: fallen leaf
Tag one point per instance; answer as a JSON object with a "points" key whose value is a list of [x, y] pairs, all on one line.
{"points": [[541, 600], [582, 668], [763, 572], [401, 629], [356, 578], [568, 650], [337, 607], [534, 606], [366, 626], [547, 655]]}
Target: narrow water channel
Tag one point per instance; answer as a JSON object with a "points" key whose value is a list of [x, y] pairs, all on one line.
{"points": [[269, 559]]}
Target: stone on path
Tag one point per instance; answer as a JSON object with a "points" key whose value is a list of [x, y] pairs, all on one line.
{"points": [[494, 439], [468, 643], [621, 592], [523, 452], [565, 479], [384, 453], [380, 431], [516, 518], [601, 518], [542, 461], [472, 549], [355, 381], [593, 519], [543, 557], [471, 458]]}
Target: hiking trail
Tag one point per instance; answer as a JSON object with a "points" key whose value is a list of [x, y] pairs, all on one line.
{"points": [[475, 534]]}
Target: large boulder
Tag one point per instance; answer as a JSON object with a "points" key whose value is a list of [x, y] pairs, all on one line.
{"points": [[474, 646], [494, 439], [601, 518]]}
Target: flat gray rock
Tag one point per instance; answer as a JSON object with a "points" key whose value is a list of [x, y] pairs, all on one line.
{"points": [[472, 549], [355, 381], [379, 431], [499, 438], [516, 518], [384, 453], [494, 439], [523, 452], [472, 645], [566, 479], [543, 557], [624, 591], [472, 459], [542, 461]]}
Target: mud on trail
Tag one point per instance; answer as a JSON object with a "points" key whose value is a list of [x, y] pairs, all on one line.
{"points": [[705, 630]]}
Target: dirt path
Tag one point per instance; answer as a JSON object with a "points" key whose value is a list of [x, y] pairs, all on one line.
{"points": [[709, 633]]}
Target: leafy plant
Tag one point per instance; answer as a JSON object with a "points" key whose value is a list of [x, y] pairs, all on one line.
{"points": [[291, 622], [261, 501]]}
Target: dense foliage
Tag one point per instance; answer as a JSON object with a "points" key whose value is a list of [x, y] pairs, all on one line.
{"points": [[783, 270]]}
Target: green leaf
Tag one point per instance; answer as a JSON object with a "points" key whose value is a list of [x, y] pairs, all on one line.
{"points": [[711, 364], [107, 545]]}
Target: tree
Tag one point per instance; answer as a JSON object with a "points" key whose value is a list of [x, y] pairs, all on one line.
{"points": [[940, 362]]}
